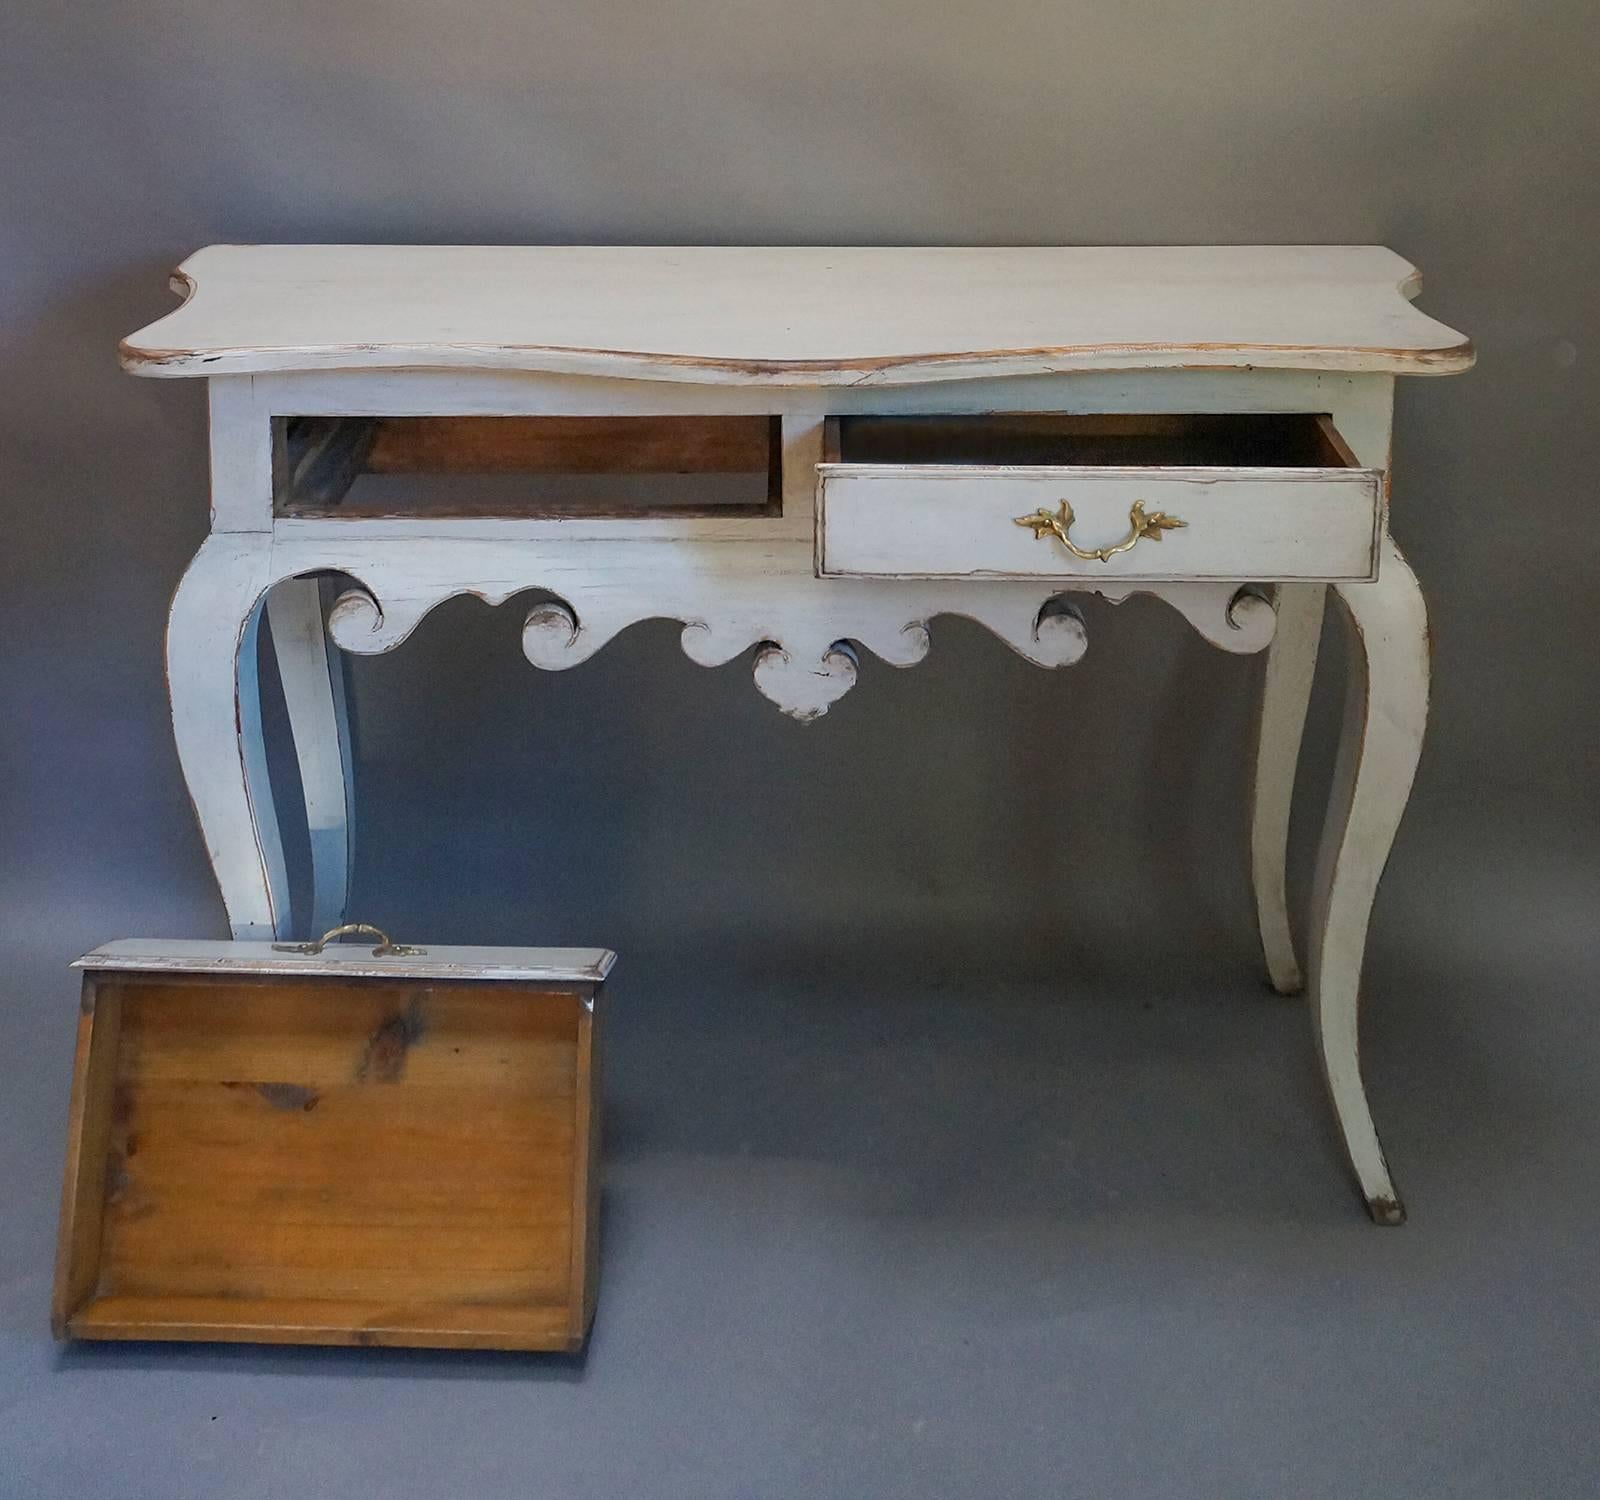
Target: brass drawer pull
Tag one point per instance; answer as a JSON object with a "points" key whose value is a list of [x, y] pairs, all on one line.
{"points": [[386, 946], [1041, 521]]}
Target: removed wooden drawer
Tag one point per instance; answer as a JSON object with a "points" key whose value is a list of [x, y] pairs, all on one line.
{"points": [[356, 1146], [1247, 498]]}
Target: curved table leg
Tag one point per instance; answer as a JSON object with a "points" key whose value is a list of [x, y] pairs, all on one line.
{"points": [[1285, 695], [216, 721], [1386, 712], [312, 674]]}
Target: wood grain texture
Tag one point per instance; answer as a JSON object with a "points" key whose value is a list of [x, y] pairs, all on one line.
{"points": [[323, 1320], [721, 444], [89, 1129], [543, 463], [805, 316], [314, 1159], [1120, 439], [585, 1271]]}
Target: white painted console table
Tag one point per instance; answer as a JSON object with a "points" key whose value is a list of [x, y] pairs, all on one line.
{"points": [[834, 446]]}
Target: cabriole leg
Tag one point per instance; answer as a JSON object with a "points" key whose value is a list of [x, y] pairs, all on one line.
{"points": [[312, 673], [1385, 714], [1285, 695], [216, 721]]}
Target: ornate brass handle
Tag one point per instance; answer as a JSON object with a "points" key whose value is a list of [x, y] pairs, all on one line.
{"points": [[1141, 526], [350, 929]]}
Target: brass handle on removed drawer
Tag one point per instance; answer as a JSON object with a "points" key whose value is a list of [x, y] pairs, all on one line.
{"points": [[1140, 524], [386, 945]]}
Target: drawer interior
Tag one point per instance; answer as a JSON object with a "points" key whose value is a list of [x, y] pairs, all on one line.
{"points": [[306, 1160], [1118, 439], [427, 467]]}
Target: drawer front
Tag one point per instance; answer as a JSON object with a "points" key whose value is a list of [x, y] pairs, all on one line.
{"points": [[956, 521]]}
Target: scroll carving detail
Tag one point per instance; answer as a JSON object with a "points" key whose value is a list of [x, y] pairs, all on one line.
{"points": [[807, 649]]}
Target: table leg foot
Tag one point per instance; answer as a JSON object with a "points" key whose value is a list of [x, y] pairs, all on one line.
{"points": [[1386, 1211]]}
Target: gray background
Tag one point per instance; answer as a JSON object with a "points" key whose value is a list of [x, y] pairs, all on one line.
{"points": [[956, 1147]]}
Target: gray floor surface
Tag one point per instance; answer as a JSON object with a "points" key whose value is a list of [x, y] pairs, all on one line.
{"points": [[907, 1222]]}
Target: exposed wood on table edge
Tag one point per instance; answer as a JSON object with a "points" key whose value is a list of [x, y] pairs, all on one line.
{"points": [[903, 369]]}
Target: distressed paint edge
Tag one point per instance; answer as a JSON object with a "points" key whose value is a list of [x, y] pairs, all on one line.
{"points": [[360, 965], [907, 369]]}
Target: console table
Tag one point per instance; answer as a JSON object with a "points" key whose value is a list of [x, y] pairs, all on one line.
{"points": [[808, 452]]}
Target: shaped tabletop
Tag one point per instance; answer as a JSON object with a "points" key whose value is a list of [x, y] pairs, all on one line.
{"points": [[800, 317]]}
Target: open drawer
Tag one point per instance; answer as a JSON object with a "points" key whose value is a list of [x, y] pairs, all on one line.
{"points": [[1244, 497]]}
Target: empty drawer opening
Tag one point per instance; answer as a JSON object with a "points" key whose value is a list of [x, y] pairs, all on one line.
{"points": [[523, 467], [1120, 439]]}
